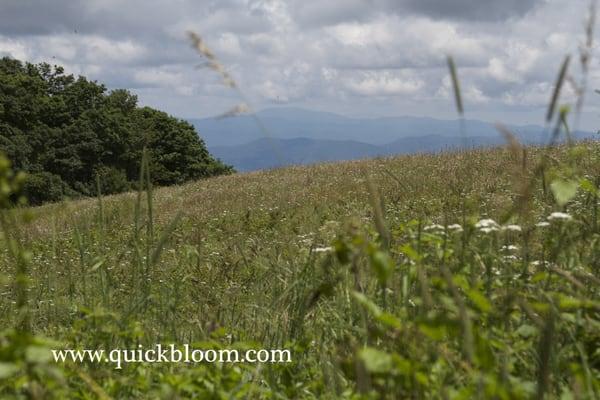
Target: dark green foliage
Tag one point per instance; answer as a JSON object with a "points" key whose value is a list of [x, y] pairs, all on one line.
{"points": [[112, 180], [66, 131], [45, 186]]}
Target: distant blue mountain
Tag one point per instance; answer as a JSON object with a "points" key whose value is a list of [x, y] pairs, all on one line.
{"points": [[284, 136], [271, 153]]}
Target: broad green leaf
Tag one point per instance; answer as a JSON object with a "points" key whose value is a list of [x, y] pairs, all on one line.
{"points": [[569, 303], [389, 320], [7, 369], [564, 191], [409, 252], [527, 330], [375, 361], [364, 301], [479, 300], [386, 319], [383, 265], [588, 186], [342, 251], [37, 354], [433, 331], [421, 378], [540, 276]]}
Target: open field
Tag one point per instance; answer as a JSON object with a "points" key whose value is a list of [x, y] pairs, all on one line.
{"points": [[386, 278]]}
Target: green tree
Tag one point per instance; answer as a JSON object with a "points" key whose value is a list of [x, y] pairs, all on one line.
{"points": [[66, 132]]}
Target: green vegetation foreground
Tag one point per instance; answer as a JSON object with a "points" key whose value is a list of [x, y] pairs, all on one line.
{"points": [[467, 275]]}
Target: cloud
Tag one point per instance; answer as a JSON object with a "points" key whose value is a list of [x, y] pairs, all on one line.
{"points": [[353, 56], [40, 17], [385, 84], [331, 12], [156, 77], [13, 48], [478, 10]]}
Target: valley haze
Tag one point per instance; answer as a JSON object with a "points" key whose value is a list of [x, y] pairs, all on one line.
{"points": [[299, 136]]}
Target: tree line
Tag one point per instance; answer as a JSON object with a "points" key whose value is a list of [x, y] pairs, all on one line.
{"points": [[70, 134]]}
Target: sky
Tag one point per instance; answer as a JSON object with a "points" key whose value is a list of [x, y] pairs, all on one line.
{"points": [[364, 58]]}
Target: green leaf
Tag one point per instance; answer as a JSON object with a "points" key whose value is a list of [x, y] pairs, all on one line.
{"points": [[540, 276], [527, 330], [37, 354], [434, 331], [383, 266], [7, 369], [342, 251], [564, 191], [364, 301], [588, 186], [409, 252], [479, 300], [386, 319], [375, 361], [389, 320]]}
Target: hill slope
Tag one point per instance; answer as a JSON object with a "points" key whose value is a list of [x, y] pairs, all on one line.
{"points": [[396, 276]]}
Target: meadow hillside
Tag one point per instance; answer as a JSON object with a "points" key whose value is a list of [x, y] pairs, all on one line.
{"points": [[473, 274]]}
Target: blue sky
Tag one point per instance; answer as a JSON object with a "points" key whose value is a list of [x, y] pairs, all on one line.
{"points": [[353, 57]]}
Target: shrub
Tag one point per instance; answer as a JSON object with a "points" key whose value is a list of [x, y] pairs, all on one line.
{"points": [[112, 180], [41, 187]]}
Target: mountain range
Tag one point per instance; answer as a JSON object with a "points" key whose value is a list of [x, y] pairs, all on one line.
{"points": [[286, 136]]}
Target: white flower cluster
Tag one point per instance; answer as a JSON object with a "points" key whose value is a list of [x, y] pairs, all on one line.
{"points": [[554, 217], [455, 227], [559, 216], [434, 227], [441, 228], [487, 225]]}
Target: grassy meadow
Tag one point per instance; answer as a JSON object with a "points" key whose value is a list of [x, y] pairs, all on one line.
{"points": [[472, 274]]}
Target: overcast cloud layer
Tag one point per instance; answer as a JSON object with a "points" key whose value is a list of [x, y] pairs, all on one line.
{"points": [[354, 57]]}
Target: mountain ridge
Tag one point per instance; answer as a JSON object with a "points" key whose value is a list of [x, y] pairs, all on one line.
{"points": [[300, 136]]}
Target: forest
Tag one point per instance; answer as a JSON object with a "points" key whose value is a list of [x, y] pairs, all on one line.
{"points": [[73, 137]]}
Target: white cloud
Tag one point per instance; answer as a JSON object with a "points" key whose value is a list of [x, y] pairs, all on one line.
{"points": [[99, 49], [158, 77], [13, 48], [385, 84], [335, 54]]}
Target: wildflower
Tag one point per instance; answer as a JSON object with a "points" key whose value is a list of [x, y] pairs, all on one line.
{"points": [[559, 215], [512, 228], [510, 247], [455, 227], [434, 227], [542, 224], [322, 249], [488, 230], [487, 225]]}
